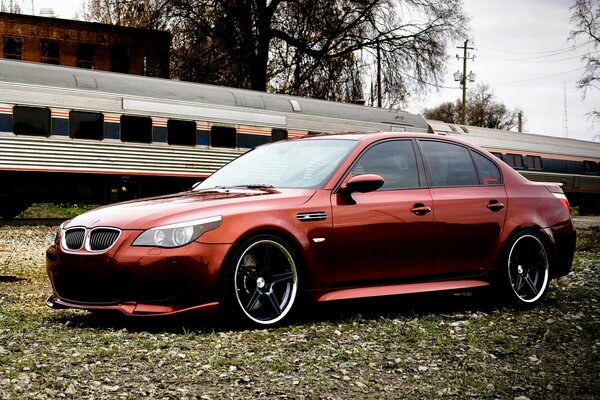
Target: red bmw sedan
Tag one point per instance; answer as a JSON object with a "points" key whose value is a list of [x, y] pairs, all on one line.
{"points": [[318, 219]]}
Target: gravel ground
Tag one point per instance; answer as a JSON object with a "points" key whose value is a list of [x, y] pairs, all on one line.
{"points": [[426, 346]]}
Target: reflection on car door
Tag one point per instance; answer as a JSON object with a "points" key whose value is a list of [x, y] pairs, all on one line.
{"points": [[386, 234], [469, 203]]}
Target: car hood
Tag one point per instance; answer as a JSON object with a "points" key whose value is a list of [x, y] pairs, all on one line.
{"points": [[187, 206]]}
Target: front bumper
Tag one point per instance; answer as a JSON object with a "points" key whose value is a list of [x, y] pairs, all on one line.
{"points": [[136, 280]]}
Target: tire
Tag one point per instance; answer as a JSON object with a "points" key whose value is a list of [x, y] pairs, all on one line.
{"points": [[262, 282], [526, 270]]}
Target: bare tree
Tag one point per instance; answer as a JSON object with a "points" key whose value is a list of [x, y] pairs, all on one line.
{"points": [[482, 110], [327, 49], [586, 22], [11, 6]]}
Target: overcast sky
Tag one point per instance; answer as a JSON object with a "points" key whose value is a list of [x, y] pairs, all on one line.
{"points": [[521, 51]]}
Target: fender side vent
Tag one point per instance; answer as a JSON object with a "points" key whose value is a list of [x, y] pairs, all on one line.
{"points": [[312, 216]]}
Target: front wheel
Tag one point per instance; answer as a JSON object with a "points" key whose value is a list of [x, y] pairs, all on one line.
{"points": [[262, 281], [527, 270]]}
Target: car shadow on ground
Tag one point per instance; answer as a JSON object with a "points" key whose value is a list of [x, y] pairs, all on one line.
{"points": [[336, 311]]}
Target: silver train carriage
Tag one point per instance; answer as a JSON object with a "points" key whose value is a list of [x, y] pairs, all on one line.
{"points": [[76, 135]]}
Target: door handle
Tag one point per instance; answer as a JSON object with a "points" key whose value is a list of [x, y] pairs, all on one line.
{"points": [[495, 205], [420, 209]]}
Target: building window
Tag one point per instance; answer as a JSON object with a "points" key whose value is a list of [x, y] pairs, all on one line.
{"points": [[86, 125], [514, 160], [85, 55], [136, 129], [278, 134], [13, 47], [497, 155], [181, 133], [119, 59], [151, 63], [534, 162], [33, 121], [50, 51], [221, 136]]}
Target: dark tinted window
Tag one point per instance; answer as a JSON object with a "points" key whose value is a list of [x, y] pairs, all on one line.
{"points": [[394, 161], [119, 59], [449, 164], [534, 162], [136, 129], [498, 155], [221, 136], [514, 160], [279, 134], [86, 125], [590, 167], [181, 132], [85, 55], [31, 121], [489, 174], [12, 47], [50, 50]]}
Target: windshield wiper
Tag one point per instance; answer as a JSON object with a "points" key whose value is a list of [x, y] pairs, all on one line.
{"points": [[255, 186], [247, 186]]}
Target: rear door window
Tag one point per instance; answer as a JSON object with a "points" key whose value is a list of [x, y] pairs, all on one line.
{"points": [[449, 164]]}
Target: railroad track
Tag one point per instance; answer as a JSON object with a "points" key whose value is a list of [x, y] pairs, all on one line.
{"points": [[32, 221]]}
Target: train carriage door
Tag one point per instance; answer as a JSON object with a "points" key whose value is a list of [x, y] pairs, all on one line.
{"points": [[388, 233], [469, 202]]}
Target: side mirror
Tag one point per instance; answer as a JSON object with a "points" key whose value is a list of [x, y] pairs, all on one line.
{"points": [[364, 183]]}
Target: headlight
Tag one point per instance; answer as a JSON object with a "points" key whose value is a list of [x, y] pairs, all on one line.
{"points": [[177, 235]]}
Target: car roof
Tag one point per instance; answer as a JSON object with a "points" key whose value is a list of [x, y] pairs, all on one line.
{"points": [[376, 136]]}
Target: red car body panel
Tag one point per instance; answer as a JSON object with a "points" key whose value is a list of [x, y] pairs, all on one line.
{"points": [[378, 243]]}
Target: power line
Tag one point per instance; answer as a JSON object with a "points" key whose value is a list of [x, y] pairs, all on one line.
{"points": [[564, 49], [537, 59], [540, 77]]}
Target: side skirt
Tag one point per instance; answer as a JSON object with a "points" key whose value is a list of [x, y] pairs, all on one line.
{"points": [[389, 290]]}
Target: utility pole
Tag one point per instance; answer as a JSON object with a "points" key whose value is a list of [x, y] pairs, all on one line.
{"points": [[379, 97], [463, 78]]}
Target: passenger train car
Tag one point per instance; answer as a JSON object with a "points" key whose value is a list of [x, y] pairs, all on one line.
{"points": [[76, 135]]}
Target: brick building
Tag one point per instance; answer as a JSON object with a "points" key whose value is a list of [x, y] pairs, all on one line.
{"points": [[85, 44]]}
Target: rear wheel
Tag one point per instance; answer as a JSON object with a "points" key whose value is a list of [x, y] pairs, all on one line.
{"points": [[262, 282], [527, 270]]}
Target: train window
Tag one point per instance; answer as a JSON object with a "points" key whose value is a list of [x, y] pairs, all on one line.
{"points": [[85, 55], [50, 50], [498, 155], [181, 132], [119, 59], [31, 121], [489, 174], [136, 129], [449, 164], [12, 47], [590, 167], [534, 162], [514, 160], [86, 125], [279, 134], [221, 136]]}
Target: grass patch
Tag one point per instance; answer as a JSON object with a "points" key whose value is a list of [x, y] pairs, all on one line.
{"points": [[427, 346], [50, 210]]}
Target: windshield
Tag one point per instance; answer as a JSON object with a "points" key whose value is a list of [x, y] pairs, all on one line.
{"points": [[293, 164]]}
